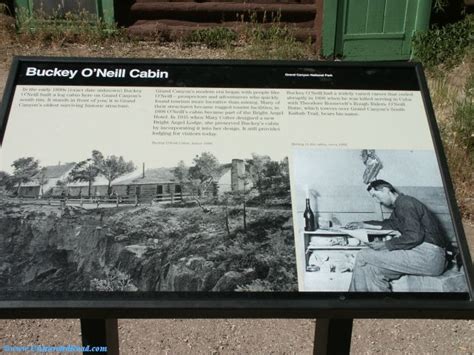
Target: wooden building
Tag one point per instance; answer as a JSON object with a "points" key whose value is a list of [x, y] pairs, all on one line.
{"points": [[81, 188], [151, 184], [46, 181]]}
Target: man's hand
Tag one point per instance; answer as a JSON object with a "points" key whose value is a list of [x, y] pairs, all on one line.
{"points": [[396, 234], [354, 225], [377, 245]]}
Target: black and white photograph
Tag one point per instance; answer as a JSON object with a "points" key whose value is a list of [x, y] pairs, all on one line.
{"points": [[109, 223], [374, 220]]}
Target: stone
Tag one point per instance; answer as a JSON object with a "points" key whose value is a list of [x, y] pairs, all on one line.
{"points": [[138, 250]]}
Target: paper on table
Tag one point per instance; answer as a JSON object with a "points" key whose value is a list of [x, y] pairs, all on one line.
{"points": [[360, 234]]}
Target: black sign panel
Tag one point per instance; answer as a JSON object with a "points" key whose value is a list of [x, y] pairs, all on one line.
{"points": [[223, 188]]}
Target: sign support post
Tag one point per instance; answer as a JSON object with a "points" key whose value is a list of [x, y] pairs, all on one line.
{"points": [[332, 336], [100, 332]]}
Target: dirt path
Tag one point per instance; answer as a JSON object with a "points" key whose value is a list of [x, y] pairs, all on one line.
{"points": [[238, 336]]}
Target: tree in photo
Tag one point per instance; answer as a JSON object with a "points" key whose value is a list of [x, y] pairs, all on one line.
{"points": [[205, 171], [85, 171], [285, 173], [181, 172], [265, 173], [263, 176], [200, 178], [261, 169], [62, 185], [242, 196], [111, 167], [7, 182], [257, 169], [42, 180], [24, 170]]}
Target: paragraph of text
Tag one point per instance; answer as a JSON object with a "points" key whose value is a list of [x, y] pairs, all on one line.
{"points": [[210, 112], [345, 103], [78, 97]]}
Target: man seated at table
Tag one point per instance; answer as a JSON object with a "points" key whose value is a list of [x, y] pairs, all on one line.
{"points": [[418, 248]]}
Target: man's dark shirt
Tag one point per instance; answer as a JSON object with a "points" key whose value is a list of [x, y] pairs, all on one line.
{"points": [[415, 223]]}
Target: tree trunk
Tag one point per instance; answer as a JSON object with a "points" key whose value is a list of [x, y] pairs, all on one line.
{"points": [[204, 209], [90, 188], [227, 219], [245, 215]]}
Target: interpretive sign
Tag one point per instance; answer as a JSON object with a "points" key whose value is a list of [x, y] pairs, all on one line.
{"points": [[221, 185]]}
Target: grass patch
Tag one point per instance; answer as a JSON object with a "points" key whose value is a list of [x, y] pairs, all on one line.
{"points": [[81, 27], [445, 45], [256, 38], [440, 5], [454, 108], [272, 40], [446, 52], [463, 123], [216, 37], [4, 9]]}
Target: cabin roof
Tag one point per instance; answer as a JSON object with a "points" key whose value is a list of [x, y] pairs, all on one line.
{"points": [[50, 172], [152, 176], [56, 171]]}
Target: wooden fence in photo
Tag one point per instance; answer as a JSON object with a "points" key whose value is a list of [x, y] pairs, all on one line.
{"points": [[105, 201]]}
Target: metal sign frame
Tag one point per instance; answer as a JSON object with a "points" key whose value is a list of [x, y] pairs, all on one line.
{"points": [[248, 304]]}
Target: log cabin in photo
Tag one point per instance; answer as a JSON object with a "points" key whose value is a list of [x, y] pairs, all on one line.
{"points": [[44, 183]]}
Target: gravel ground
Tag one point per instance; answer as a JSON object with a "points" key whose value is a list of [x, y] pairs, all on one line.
{"points": [[241, 336], [222, 336]]}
